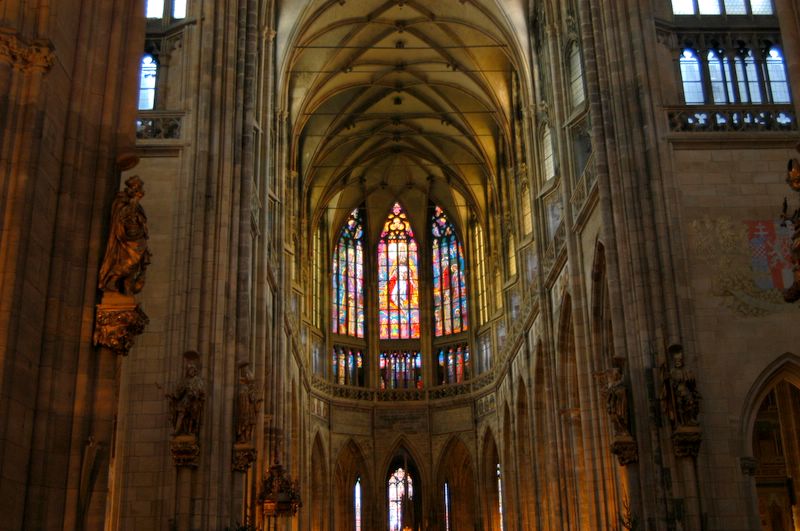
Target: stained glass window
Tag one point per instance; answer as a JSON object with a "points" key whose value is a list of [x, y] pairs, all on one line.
{"points": [[348, 279], [154, 9], [776, 72], [179, 9], [547, 155], [398, 294], [147, 82], [500, 497], [348, 366], [719, 73], [712, 7], [527, 213], [575, 75], [690, 75], [316, 281], [446, 506], [357, 504], [479, 261], [400, 370], [454, 364], [747, 75], [401, 492], [449, 282]]}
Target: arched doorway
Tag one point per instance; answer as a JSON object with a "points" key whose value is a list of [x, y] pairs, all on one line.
{"points": [[456, 488], [773, 433], [403, 494]]}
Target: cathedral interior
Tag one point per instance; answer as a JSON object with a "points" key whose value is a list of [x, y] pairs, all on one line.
{"points": [[399, 265]]}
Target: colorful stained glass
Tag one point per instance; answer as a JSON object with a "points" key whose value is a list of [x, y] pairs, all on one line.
{"points": [[400, 486], [454, 364], [348, 279], [401, 370], [348, 366], [449, 281], [398, 278]]}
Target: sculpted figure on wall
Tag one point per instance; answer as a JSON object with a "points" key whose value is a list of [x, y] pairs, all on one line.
{"points": [[187, 401], [617, 402], [248, 402], [127, 255], [679, 396], [792, 293]]}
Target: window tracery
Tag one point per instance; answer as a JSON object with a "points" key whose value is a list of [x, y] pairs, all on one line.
{"points": [[348, 279], [576, 86], [401, 492], [398, 280], [449, 284], [739, 76], [148, 73], [718, 7], [400, 369], [454, 364]]}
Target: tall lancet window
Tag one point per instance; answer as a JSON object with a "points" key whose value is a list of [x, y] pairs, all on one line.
{"points": [[500, 497], [401, 492], [357, 504], [398, 279], [148, 73], [348, 278], [449, 283]]}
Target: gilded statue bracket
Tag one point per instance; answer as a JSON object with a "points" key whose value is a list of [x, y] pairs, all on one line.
{"points": [[244, 455], [185, 450], [117, 322], [686, 441], [36, 56], [624, 447]]}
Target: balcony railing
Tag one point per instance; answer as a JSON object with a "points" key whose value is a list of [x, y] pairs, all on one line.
{"points": [[583, 190], [159, 125], [731, 118]]}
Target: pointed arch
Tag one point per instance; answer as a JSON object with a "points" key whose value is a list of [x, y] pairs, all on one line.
{"points": [[784, 368], [404, 488], [572, 450], [543, 431], [449, 276], [609, 476], [350, 466], [319, 486], [510, 494], [525, 473], [492, 478], [771, 416], [456, 469], [347, 279]]}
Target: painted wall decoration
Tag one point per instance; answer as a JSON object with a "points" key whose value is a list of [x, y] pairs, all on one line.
{"points": [[750, 260]]}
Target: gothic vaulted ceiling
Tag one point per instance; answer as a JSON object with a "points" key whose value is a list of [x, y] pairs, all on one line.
{"points": [[399, 100]]}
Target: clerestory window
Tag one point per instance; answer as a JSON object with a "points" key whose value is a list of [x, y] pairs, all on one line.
{"points": [[722, 7], [148, 74], [390, 275]]}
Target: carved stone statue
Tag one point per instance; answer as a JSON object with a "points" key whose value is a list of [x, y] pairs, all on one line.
{"points": [[617, 402], [792, 293], [186, 403], [679, 396], [127, 255], [247, 402]]}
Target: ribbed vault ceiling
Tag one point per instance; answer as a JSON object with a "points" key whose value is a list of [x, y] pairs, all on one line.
{"points": [[399, 100]]}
